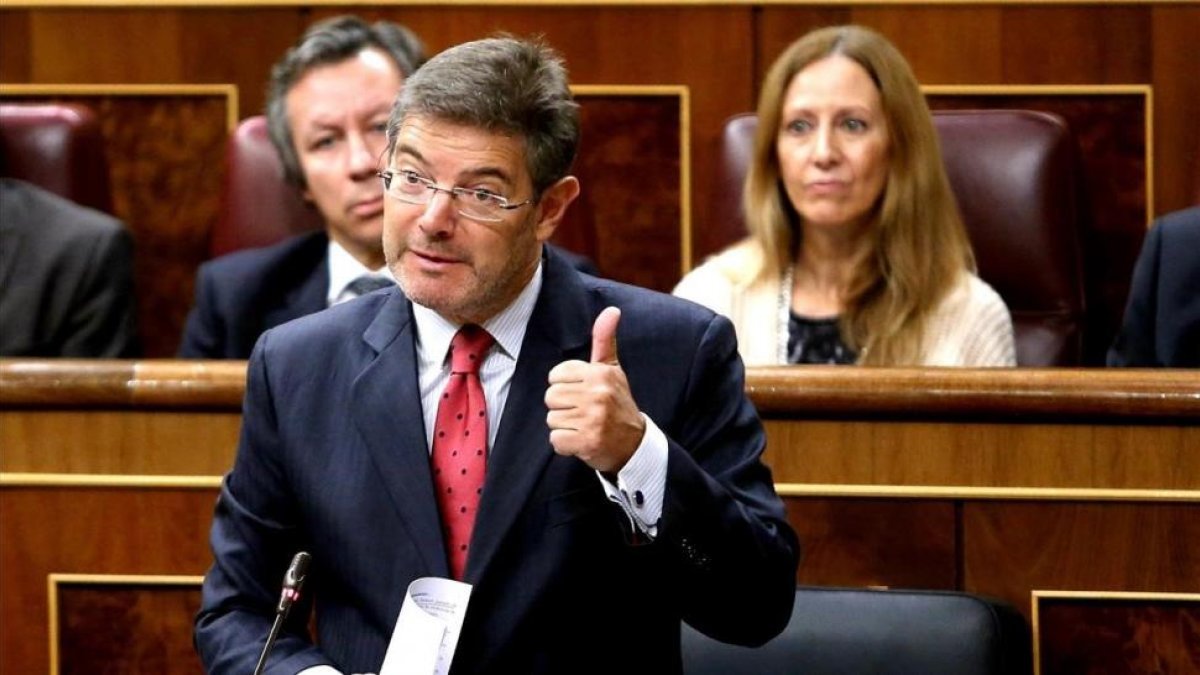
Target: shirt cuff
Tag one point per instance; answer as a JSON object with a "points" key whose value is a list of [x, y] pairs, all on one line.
{"points": [[642, 482], [320, 670]]}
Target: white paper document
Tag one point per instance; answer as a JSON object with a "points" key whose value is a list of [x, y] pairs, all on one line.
{"points": [[426, 632]]}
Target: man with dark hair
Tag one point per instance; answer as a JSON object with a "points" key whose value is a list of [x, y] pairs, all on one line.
{"points": [[327, 106], [476, 423]]}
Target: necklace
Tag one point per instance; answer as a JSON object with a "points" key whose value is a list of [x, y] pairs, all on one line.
{"points": [[784, 312]]}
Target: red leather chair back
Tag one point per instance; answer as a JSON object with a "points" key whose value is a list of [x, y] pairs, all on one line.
{"points": [[258, 207], [1014, 174], [57, 147]]}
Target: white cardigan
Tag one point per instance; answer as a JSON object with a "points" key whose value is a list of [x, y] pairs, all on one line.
{"points": [[971, 327]]}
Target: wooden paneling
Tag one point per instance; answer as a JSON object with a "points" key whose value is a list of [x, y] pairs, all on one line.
{"points": [[632, 191], [125, 625], [92, 530], [876, 542], [1117, 633], [1176, 80], [1011, 549], [14, 47]]}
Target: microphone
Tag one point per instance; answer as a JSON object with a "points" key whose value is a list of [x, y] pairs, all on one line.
{"points": [[293, 582]]}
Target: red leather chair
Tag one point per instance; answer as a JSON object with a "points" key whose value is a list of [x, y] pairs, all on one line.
{"points": [[57, 147], [1014, 175], [258, 207]]}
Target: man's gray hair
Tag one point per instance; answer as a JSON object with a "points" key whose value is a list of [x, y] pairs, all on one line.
{"points": [[325, 43], [502, 85]]}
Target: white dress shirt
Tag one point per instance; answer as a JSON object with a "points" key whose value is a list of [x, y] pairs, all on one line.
{"points": [[343, 270]]}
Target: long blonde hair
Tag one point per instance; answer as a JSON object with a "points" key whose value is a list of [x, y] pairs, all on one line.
{"points": [[918, 246]]}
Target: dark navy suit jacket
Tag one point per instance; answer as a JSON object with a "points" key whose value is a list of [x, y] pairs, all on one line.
{"points": [[333, 460], [242, 294], [1162, 318]]}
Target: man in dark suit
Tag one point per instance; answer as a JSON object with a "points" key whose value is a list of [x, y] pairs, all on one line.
{"points": [[1161, 328], [613, 485], [66, 278], [327, 106]]}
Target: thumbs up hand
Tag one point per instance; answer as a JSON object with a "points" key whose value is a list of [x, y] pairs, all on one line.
{"points": [[592, 413]]}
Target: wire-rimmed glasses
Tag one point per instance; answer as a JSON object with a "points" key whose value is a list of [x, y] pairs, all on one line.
{"points": [[411, 187]]}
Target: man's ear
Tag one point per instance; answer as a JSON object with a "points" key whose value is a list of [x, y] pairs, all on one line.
{"points": [[553, 205]]}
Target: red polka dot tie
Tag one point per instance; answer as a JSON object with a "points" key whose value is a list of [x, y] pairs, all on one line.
{"points": [[460, 438]]}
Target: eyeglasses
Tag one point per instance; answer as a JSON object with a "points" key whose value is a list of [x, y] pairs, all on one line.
{"points": [[411, 187]]}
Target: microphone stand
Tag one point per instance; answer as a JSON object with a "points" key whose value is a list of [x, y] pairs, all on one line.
{"points": [[293, 580]]}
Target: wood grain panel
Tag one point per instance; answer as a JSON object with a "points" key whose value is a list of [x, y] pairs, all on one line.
{"points": [[944, 45], [1089, 45], [875, 542], [1010, 548], [628, 215], [100, 46], [88, 530], [983, 455], [1176, 82], [118, 442], [1106, 634], [14, 46], [237, 47], [126, 627]]}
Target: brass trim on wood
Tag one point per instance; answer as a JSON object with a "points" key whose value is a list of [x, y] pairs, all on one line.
{"points": [[99, 480], [105, 383], [1118, 396], [685, 148], [55, 579], [229, 91], [1145, 90], [959, 492], [965, 492], [1036, 595]]}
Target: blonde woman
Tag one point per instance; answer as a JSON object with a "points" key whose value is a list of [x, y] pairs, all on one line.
{"points": [[856, 253]]}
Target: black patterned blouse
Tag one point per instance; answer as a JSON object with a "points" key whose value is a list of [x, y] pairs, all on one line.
{"points": [[817, 341]]}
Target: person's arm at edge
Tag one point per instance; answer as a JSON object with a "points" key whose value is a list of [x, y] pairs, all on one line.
{"points": [[733, 554]]}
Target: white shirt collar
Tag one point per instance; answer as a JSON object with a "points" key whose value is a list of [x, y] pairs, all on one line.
{"points": [[344, 269], [507, 327]]}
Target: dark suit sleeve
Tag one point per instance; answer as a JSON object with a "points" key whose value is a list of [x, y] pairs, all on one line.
{"points": [[254, 536], [103, 319], [1134, 345], [202, 334], [733, 554]]}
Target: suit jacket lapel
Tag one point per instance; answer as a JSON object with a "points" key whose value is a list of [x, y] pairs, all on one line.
{"points": [[559, 329], [386, 405]]}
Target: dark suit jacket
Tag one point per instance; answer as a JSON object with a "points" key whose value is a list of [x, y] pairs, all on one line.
{"points": [[242, 294], [333, 460], [66, 278], [1162, 318]]}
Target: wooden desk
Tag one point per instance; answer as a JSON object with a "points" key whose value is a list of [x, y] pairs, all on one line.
{"points": [[1073, 494]]}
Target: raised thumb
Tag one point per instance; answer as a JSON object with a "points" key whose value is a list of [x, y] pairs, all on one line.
{"points": [[604, 336]]}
